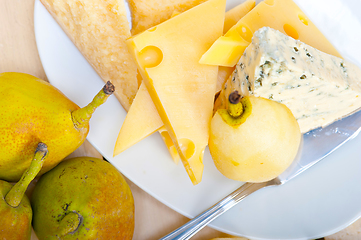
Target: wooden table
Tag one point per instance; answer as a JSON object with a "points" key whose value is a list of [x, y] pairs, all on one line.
{"points": [[18, 53]]}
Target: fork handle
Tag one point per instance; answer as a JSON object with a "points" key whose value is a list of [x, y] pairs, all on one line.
{"points": [[189, 229]]}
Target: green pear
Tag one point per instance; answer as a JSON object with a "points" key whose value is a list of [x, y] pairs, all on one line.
{"points": [[32, 111], [15, 208], [254, 140], [83, 198]]}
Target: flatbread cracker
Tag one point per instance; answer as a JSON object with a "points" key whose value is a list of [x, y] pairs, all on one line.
{"points": [[148, 13], [99, 29]]}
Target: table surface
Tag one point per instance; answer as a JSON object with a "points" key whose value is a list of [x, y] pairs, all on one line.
{"points": [[18, 53]]}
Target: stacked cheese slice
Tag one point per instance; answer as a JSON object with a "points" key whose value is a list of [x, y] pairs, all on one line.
{"points": [[181, 89], [134, 128], [283, 15]]}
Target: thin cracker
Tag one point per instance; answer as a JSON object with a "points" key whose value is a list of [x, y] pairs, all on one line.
{"points": [[148, 13], [99, 28]]}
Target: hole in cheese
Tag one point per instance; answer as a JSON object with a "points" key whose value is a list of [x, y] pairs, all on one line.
{"points": [[303, 19], [152, 29], [244, 32], [169, 143], [166, 138], [150, 56], [269, 2], [290, 31], [235, 163], [174, 154], [139, 78], [187, 147]]}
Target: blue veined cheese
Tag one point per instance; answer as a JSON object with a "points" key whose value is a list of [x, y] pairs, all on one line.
{"points": [[318, 88]]}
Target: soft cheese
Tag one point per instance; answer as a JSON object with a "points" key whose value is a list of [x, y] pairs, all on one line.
{"points": [[318, 88]]}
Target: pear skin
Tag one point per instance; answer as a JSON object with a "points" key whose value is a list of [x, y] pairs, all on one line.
{"points": [[15, 223], [255, 144], [83, 198], [33, 111], [15, 208]]}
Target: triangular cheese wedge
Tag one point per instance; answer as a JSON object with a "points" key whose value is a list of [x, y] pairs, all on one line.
{"points": [[139, 130], [232, 17], [282, 15], [141, 120], [317, 87], [235, 14], [181, 88], [135, 128]]}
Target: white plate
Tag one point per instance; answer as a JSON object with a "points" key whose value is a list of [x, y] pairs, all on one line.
{"points": [[321, 201]]}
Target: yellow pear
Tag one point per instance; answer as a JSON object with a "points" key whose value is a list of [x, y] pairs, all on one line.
{"points": [[33, 111], [254, 140], [83, 198], [15, 209]]}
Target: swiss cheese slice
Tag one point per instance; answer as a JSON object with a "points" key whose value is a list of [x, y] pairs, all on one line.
{"points": [[235, 14], [232, 17], [317, 87], [135, 127], [133, 130], [282, 15], [181, 88], [142, 120]]}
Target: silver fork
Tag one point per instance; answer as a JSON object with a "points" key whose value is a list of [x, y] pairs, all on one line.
{"points": [[316, 145]]}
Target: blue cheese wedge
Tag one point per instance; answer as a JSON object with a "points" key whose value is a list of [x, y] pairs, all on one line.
{"points": [[318, 88]]}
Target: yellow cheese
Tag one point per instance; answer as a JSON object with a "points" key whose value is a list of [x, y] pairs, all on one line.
{"points": [[133, 130], [168, 142], [141, 121], [148, 13], [282, 15], [181, 88], [233, 15], [175, 13], [223, 75]]}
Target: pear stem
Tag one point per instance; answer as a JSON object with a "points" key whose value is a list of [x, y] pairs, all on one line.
{"points": [[81, 117], [69, 224], [235, 107], [16, 193]]}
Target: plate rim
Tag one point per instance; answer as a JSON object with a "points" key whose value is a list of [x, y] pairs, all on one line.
{"points": [[37, 4]]}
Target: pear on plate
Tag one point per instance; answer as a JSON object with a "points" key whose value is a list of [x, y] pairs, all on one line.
{"points": [[83, 198], [254, 140], [15, 208], [33, 111]]}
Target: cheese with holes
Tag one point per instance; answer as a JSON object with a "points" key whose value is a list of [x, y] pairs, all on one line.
{"points": [[141, 121], [235, 14], [232, 17], [134, 130], [283, 15], [317, 87], [181, 88]]}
